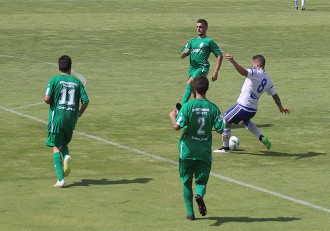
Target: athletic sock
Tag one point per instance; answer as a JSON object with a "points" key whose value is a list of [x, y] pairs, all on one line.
{"points": [[188, 197], [187, 94], [225, 137], [200, 189], [64, 150], [58, 165], [253, 128]]}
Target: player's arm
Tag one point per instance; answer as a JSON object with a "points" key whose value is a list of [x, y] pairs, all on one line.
{"points": [[82, 109], [47, 99], [172, 116], [237, 66], [278, 102], [184, 53], [217, 68]]}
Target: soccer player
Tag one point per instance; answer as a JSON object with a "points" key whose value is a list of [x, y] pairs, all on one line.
{"points": [[63, 93], [197, 117], [302, 4], [256, 83], [199, 50]]}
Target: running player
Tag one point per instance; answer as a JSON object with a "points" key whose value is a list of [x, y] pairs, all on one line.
{"points": [[256, 83], [63, 93], [197, 117], [199, 50]]}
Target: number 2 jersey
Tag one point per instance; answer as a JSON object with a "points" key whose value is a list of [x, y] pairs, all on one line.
{"points": [[256, 83], [65, 93], [197, 118]]}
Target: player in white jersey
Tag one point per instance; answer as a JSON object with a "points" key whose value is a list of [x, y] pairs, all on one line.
{"points": [[256, 83]]}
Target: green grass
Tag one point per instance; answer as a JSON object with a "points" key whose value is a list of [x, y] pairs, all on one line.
{"points": [[129, 53]]}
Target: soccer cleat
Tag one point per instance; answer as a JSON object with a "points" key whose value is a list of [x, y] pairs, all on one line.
{"points": [[303, 8], [266, 142], [178, 106], [296, 7], [67, 165], [60, 184], [222, 150], [201, 205], [191, 218]]}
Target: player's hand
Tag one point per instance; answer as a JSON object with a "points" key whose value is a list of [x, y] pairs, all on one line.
{"points": [[173, 114], [214, 76], [229, 57], [185, 53], [285, 110]]}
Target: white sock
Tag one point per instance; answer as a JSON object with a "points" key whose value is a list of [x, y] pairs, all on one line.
{"points": [[225, 137], [302, 3], [253, 128]]}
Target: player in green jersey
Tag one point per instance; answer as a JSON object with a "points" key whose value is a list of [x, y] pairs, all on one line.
{"points": [[63, 94], [199, 50], [197, 117]]}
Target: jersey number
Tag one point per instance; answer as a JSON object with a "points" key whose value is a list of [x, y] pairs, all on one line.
{"points": [[67, 96], [262, 85], [201, 122]]}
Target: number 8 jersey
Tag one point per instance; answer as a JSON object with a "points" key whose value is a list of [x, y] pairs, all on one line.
{"points": [[256, 83], [65, 92]]}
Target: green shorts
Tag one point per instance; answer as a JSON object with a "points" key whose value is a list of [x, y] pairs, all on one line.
{"points": [[58, 139], [196, 72], [199, 168]]}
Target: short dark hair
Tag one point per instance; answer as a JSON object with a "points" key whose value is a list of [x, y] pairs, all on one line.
{"points": [[202, 21], [260, 59], [202, 84], [64, 63]]}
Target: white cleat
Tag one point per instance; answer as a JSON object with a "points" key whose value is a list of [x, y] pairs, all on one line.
{"points": [[222, 150], [67, 165], [60, 184]]}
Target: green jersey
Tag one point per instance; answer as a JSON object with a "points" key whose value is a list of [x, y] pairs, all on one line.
{"points": [[65, 93], [200, 50], [197, 117]]}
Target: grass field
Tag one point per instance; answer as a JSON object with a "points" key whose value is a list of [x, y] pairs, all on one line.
{"points": [[124, 153]]}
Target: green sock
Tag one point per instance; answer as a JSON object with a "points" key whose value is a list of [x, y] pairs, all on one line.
{"points": [[187, 94], [58, 165], [188, 197], [65, 150], [201, 189]]}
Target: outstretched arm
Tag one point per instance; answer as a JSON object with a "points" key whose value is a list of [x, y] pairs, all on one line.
{"points": [[237, 66], [278, 102], [217, 68]]}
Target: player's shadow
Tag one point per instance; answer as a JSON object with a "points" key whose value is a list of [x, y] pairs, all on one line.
{"points": [[221, 220], [89, 182], [280, 154]]}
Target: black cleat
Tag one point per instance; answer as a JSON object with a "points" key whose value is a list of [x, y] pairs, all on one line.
{"points": [[191, 218], [201, 205], [178, 106]]}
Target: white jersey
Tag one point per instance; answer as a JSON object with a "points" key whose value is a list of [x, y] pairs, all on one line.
{"points": [[256, 83]]}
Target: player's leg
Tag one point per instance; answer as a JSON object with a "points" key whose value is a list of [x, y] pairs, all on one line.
{"points": [[54, 140], [189, 89], [249, 125], [296, 4], [302, 4], [66, 156], [186, 176], [202, 173]]}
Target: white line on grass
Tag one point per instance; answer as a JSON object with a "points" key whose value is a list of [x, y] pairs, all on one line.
{"points": [[216, 175]]}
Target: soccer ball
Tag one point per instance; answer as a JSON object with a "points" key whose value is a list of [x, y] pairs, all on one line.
{"points": [[233, 143]]}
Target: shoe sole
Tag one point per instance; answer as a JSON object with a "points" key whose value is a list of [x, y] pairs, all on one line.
{"points": [[67, 165]]}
